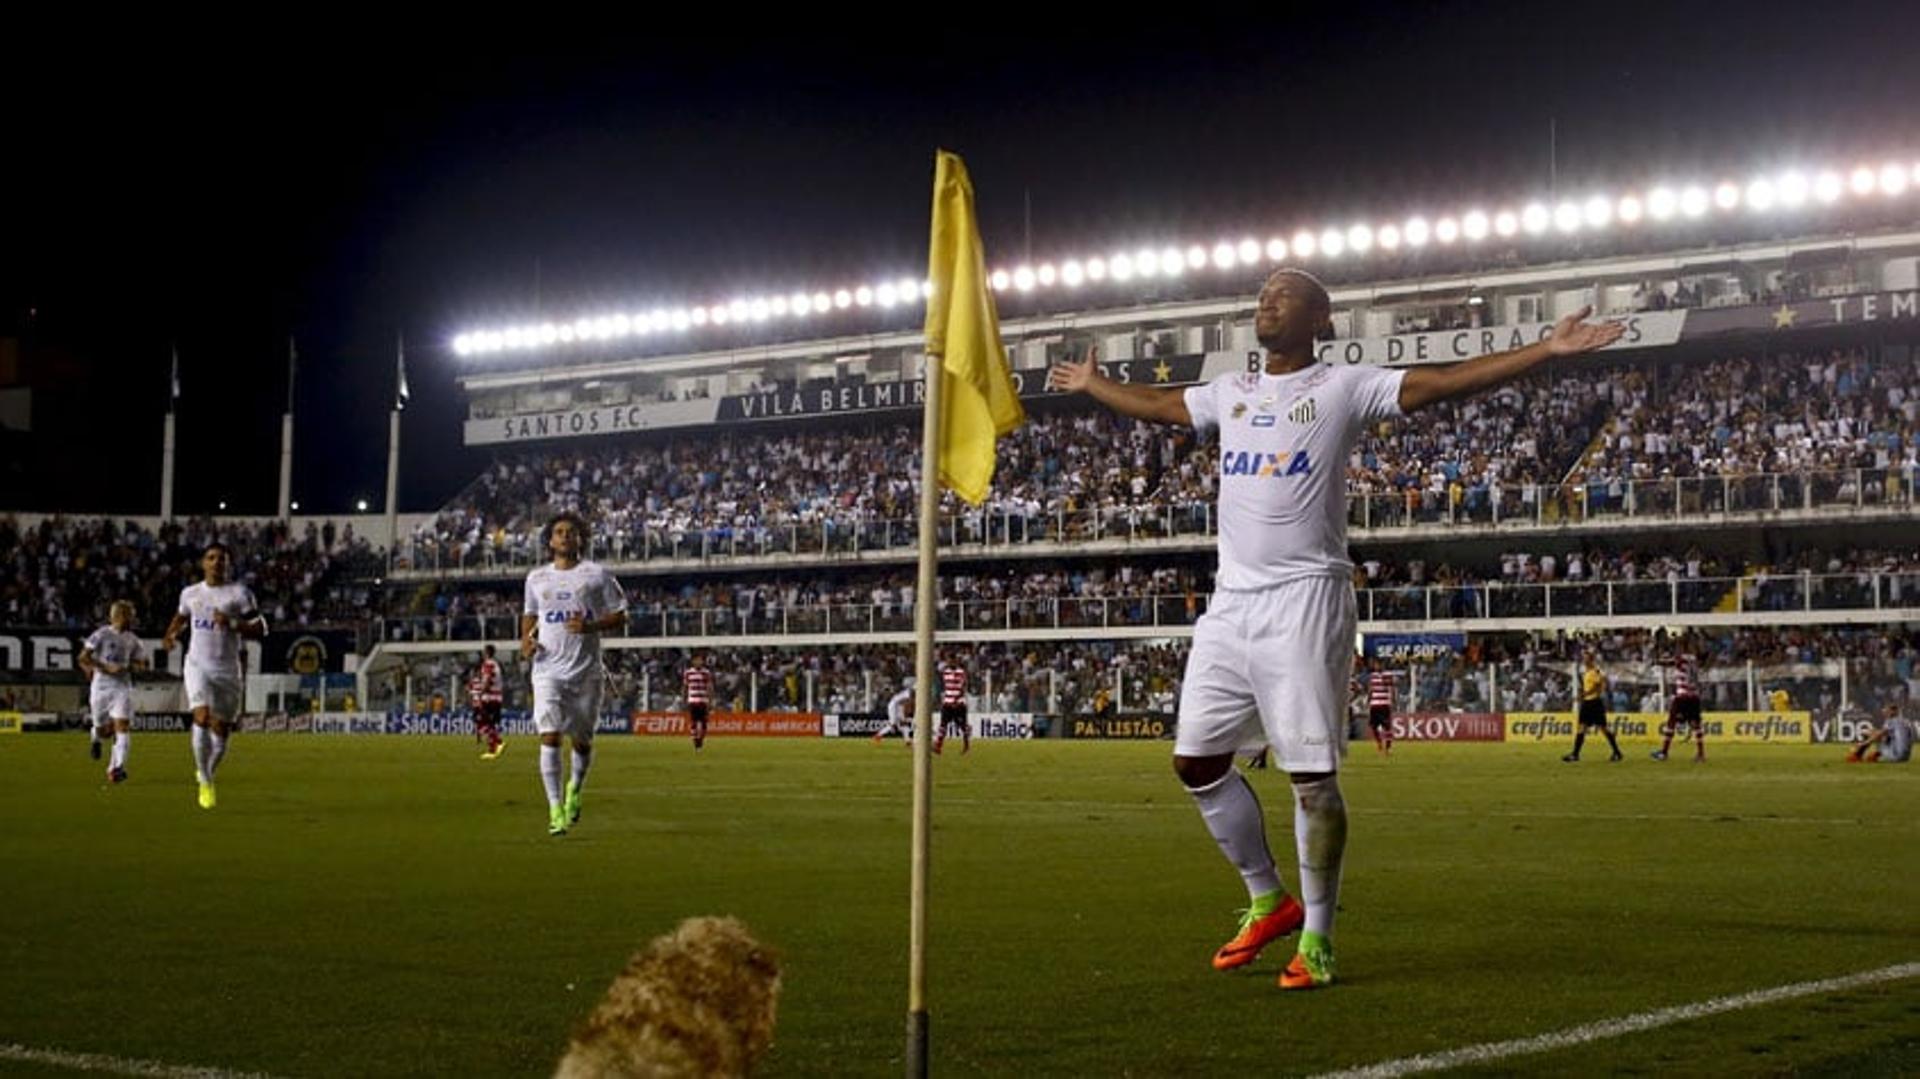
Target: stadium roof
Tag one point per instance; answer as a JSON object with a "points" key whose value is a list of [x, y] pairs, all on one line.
{"points": [[1669, 213], [1239, 301]]}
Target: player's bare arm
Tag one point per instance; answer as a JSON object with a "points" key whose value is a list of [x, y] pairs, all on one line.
{"points": [[89, 663], [529, 643], [1158, 404], [1572, 335], [172, 635]]}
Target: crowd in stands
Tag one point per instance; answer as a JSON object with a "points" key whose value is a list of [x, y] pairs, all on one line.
{"points": [[1573, 441], [65, 572], [1467, 453], [1815, 412], [831, 488]]}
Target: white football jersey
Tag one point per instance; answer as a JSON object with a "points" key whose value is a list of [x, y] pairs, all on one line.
{"points": [[110, 645], [1284, 444], [555, 595], [214, 649]]}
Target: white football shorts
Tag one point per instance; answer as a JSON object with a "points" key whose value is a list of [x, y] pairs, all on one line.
{"points": [[1272, 665]]}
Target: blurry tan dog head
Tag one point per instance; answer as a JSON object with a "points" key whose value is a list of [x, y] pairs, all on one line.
{"points": [[696, 1002]]}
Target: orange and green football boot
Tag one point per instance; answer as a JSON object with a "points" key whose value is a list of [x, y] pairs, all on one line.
{"points": [[1259, 928], [1312, 965]]}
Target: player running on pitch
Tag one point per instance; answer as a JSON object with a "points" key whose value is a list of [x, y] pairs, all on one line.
{"points": [[569, 604], [110, 657]]}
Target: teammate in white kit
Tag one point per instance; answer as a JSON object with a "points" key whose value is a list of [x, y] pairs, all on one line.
{"points": [[110, 657], [899, 715], [569, 604], [220, 613], [1272, 656]]}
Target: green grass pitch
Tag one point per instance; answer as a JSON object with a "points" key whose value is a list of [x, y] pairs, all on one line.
{"points": [[392, 905]]}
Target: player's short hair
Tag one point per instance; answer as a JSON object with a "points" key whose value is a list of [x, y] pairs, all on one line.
{"points": [[119, 605], [216, 545], [1326, 298], [579, 523], [488, 650]]}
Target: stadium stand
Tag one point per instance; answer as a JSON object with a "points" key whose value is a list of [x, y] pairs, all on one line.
{"points": [[1752, 488]]}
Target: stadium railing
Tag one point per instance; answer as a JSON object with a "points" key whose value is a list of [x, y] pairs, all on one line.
{"points": [[1665, 498], [1896, 595], [1761, 497]]}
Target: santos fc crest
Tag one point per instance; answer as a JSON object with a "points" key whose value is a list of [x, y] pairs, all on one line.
{"points": [[1302, 412]]}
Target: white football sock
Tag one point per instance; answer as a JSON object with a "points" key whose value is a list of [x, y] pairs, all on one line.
{"points": [[1320, 835], [1233, 815], [216, 752], [550, 772], [200, 736]]}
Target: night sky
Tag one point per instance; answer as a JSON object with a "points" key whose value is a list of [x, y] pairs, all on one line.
{"points": [[225, 186]]}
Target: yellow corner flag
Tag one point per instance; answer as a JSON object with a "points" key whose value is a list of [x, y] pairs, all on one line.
{"points": [[978, 402]]}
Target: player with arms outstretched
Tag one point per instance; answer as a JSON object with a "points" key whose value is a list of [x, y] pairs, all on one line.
{"points": [[1273, 655]]}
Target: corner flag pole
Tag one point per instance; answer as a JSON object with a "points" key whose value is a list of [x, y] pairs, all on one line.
{"points": [[970, 402], [925, 597]]}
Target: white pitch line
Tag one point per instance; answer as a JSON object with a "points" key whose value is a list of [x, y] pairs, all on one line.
{"points": [[1530, 814], [96, 1062], [1488, 1052]]}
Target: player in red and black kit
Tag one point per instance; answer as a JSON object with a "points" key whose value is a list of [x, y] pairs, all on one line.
{"points": [[486, 692], [697, 682], [953, 706], [1683, 711], [1380, 705]]}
